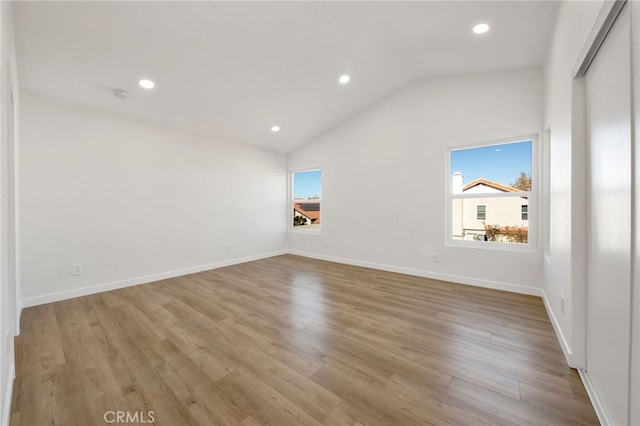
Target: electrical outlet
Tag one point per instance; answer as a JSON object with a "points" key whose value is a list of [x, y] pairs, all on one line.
{"points": [[76, 269], [435, 257], [229, 248], [562, 303]]}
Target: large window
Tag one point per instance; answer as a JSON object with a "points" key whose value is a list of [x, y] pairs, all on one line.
{"points": [[491, 189], [306, 192]]}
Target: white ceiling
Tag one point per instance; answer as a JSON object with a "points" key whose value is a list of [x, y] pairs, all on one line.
{"points": [[233, 69]]}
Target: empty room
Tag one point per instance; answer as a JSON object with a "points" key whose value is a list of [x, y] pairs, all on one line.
{"points": [[320, 212]]}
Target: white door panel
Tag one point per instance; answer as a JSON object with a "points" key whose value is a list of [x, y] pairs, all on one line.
{"points": [[610, 177]]}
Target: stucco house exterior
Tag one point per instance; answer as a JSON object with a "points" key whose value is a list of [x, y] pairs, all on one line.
{"points": [[471, 215]]}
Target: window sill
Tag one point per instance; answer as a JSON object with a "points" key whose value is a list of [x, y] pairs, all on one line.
{"points": [[493, 246], [305, 231]]}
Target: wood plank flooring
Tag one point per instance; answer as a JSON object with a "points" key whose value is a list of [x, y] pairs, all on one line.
{"points": [[289, 340]]}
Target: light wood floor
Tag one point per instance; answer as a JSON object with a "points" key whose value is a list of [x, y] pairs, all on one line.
{"points": [[289, 340]]}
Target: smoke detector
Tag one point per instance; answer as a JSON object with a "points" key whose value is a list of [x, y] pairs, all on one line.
{"points": [[121, 94]]}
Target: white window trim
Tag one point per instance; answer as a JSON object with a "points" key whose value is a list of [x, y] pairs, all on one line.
{"points": [[534, 207], [290, 226]]}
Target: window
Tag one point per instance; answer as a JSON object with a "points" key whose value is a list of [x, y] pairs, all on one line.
{"points": [[305, 199], [481, 212], [490, 189]]}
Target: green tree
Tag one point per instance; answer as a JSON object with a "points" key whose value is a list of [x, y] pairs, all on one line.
{"points": [[523, 182], [299, 221]]}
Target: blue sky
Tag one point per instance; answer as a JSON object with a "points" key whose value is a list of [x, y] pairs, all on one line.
{"points": [[500, 163], [307, 184]]}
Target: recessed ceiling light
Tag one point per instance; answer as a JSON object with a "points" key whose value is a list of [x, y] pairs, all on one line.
{"points": [[147, 84], [275, 129], [344, 79], [481, 28]]}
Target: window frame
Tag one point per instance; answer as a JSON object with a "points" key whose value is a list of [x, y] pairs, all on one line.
{"points": [[290, 203], [532, 197], [484, 212]]}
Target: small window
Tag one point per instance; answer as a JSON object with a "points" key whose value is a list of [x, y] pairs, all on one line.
{"points": [[481, 212], [490, 189], [306, 189]]}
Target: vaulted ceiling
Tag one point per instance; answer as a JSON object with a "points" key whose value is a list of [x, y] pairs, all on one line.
{"points": [[232, 70]]}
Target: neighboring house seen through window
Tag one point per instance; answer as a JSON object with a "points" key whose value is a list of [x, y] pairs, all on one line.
{"points": [[491, 189], [306, 189]]}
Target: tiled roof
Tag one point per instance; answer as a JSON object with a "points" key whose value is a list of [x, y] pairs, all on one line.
{"points": [[489, 183], [309, 209]]}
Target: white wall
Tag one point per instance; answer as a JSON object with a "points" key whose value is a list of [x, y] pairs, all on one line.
{"points": [[564, 268], [134, 203], [383, 175], [9, 278]]}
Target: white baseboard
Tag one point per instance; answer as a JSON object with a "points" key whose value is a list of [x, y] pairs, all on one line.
{"points": [[84, 291], [496, 285], [564, 345], [603, 417], [6, 408]]}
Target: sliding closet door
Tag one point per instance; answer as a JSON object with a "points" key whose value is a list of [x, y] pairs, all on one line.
{"points": [[609, 288]]}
